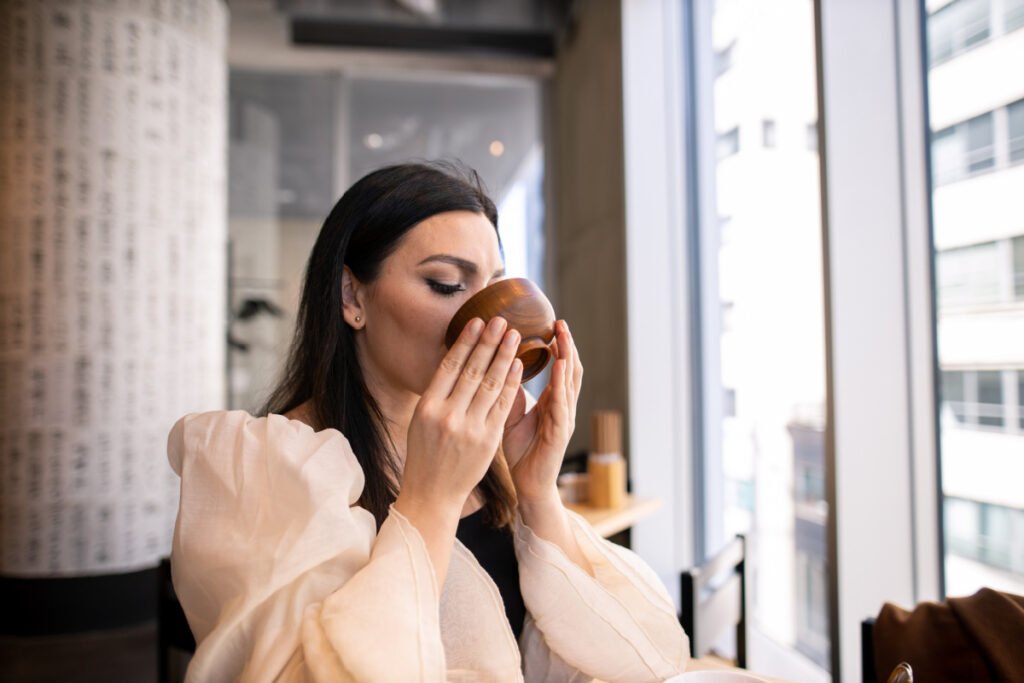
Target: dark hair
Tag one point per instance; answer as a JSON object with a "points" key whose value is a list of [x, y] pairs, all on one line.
{"points": [[362, 230]]}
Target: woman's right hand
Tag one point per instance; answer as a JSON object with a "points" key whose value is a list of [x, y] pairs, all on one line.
{"points": [[458, 424]]}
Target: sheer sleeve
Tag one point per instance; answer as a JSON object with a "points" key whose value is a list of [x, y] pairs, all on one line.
{"points": [[281, 575], [619, 625]]}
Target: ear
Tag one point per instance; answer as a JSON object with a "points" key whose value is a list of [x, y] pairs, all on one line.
{"points": [[352, 295]]}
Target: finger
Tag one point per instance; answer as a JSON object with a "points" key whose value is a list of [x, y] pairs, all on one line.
{"points": [[476, 365], [506, 399], [557, 409], [447, 374], [494, 381], [565, 344]]}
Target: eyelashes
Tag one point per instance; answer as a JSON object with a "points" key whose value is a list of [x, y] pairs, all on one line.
{"points": [[443, 289]]}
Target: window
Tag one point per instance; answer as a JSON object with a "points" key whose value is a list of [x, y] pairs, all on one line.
{"points": [[953, 394], [1015, 116], [723, 59], [969, 275], [980, 144], [1020, 400], [770, 336], [964, 149], [975, 398], [957, 27], [728, 143], [812, 136], [1018, 267], [947, 153], [990, 398], [1013, 17], [985, 534]]}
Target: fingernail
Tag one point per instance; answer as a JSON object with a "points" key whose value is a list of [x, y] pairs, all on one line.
{"points": [[497, 324], [475, 326], [517, 365], [512, 338]]}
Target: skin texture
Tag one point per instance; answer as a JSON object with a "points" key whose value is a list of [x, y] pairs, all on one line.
{"points": [[448, 410]]}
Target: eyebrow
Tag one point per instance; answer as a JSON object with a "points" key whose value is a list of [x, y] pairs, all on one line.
{"points": [[467, 267]]}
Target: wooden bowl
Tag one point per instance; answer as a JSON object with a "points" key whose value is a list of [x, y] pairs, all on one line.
{"points": [[526, 309]]}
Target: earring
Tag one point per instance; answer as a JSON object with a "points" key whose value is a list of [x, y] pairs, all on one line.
{"points": [[359, 319]]}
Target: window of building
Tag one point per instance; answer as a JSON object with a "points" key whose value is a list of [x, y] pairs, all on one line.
{"points": [[1015, 119], [728, 143], [980, 144], [947, 156], [768, 133], [1013, 15], [990, 398], [724, 58], [976, 398], [729, 402], [959, 26], [953, 394], [1020, 400], [969, 275], [812, 136], [1018, 267], [985, 533]]}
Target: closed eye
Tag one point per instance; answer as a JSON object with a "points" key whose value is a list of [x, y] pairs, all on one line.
{"points": [[445, 289]]}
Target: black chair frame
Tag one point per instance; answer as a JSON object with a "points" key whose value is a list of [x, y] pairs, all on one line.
{"points": [[172, 627], [714, 595]]}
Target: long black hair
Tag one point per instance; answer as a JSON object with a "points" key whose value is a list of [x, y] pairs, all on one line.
{"points": [[361, 231]]}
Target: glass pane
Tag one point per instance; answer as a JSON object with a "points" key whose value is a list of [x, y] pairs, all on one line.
{"points": [[1018, 267], [978, 221], [947, 155], [728, 143], [980, 148], [990, 398], [974, 22], [969, 275], [953, 397], [1020, 399], [940, 34], [772, 348], [1015, 116], [1013, 18]]}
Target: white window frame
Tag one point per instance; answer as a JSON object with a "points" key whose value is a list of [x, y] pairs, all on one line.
{"points": [[881, 455]]}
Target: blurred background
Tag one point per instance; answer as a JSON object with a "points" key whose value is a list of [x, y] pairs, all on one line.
{"points": [[788, 236]]}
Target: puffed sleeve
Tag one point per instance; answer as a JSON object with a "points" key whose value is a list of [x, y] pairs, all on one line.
{"points": [[619, 625], [281, 575]]}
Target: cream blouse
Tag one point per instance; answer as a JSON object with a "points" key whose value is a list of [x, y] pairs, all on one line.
{"points": [[284, 578]]}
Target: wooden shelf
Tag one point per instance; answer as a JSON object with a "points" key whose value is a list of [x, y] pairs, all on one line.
{"points": [[608, 522]]}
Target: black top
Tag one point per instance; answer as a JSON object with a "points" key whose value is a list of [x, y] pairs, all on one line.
{"points": [[494, 550]]}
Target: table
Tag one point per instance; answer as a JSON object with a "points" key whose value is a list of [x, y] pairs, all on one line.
{"points": [[610, 521]]}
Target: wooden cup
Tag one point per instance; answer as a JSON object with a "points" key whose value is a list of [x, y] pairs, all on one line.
{"points": [[524, 306]]}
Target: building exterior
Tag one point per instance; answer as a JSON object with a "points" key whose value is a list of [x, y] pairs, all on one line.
{"points": [[977, 120]]}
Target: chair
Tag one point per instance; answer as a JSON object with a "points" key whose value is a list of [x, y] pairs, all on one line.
{"points": [[867, 651], [173, 632], [714, 599]]}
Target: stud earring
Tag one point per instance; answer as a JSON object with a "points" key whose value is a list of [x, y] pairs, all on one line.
{"points": [[359, 319]]}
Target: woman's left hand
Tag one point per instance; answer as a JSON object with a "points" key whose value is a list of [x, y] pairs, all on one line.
{"points": [[534, 442]]}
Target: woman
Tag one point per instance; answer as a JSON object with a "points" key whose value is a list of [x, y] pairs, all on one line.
{"points": [[363, 529]]}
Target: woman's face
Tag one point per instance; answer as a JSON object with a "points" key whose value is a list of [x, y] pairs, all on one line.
{"points": [[405, 311]]}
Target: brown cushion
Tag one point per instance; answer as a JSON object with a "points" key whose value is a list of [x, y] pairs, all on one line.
{"points": [[978, 638]]}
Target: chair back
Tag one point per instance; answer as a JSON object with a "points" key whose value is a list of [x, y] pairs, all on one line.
{"points": [[714, 599], [173, 632], [867, 651]]}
